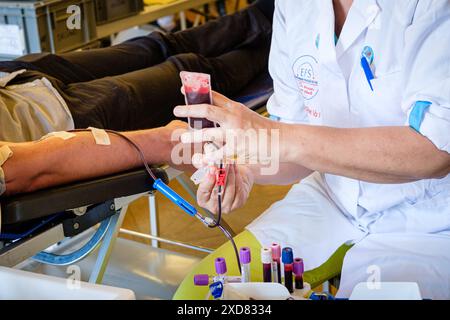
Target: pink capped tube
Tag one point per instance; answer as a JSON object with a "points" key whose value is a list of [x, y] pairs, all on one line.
{"points": [[276, 262]]}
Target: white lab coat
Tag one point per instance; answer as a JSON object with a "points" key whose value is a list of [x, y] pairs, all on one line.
{"points": [[319, 82]]}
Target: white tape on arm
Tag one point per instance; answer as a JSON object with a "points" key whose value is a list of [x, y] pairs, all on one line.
{"points": [[101, 136], [59, 134], [5, 154]]}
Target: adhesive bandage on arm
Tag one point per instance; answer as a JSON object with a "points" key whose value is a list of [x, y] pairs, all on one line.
{"points": [[101, 136], [59, 134]]}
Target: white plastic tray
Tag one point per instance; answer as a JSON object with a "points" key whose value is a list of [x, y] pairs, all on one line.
{"points": [[22, 285]]}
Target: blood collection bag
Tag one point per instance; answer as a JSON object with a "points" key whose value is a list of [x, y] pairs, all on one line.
{"points": [[197, 90]]}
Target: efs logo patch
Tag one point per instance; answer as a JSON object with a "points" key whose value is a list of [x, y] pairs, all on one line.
{"points": [[305, 71]]}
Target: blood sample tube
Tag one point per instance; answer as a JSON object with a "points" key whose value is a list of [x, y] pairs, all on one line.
{"points": [[266, 259], [276, 262], [298, 272], [197, 90], [221, 269], [288, 261], [246, 258], [203, 280]]}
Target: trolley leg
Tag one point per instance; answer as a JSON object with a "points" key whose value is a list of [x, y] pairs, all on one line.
{"points": [[107, 246]]}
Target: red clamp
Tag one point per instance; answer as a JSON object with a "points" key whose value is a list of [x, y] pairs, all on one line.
{"points": [[221, 177]]}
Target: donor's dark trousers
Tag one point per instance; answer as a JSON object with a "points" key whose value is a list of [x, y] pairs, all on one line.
{"points": [[136, 85]]}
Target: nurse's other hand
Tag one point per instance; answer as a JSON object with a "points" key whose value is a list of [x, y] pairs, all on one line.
{"points": [[237, 190], [240, 129]]}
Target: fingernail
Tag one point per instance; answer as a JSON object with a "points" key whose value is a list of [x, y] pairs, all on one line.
{"points": [[180, 111], [185, 138]]}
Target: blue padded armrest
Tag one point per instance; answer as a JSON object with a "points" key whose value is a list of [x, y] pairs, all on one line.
{"points": [[25, 207]]}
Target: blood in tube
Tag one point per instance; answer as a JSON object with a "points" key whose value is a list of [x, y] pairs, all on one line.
{"points": [[298, 272], [288, 261], [266, 259], [276, 262], [197, 90]]}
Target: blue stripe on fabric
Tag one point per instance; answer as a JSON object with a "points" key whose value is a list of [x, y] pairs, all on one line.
{"points": [[417, 114]]}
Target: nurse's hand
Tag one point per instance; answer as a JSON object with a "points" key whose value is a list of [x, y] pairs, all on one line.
{"points": [[239, 184], [241, 129]]}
